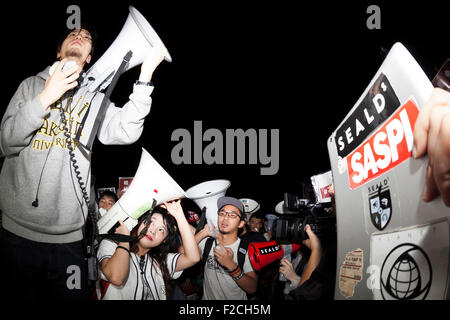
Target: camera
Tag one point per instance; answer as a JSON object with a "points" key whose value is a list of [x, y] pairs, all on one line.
{"points": [[290, 226]]}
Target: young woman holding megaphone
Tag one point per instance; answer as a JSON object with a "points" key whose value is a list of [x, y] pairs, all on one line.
{"points": [[142, 269]]}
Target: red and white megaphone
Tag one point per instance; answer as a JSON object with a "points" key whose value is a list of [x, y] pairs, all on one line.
{"points": [[262, 254], [151, 185]]}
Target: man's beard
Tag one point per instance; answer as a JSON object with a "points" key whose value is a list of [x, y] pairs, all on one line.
{"points": [[73, 53]]}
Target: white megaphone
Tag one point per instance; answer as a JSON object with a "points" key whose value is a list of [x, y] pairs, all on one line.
{"points": [[250, 207], [151, 185], [136, 35], [205, 195]]}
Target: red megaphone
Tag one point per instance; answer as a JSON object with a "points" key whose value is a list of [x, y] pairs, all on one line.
{"points": [[262, 254]]}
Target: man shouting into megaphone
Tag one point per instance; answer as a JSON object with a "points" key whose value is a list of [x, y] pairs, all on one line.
{"points": [[40, 198]]}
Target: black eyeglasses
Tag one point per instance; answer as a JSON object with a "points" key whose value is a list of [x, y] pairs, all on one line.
{"points": [[231, 214]]}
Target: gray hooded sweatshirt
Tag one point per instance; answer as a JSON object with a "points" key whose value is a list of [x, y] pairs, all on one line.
{"points": [[37, 162]]}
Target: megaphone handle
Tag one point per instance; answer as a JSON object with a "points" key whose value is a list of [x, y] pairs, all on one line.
{"points": [[202, 221], [144, 230], [114, 227]]}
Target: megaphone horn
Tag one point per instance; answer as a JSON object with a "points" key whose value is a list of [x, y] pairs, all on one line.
{"points": [[250, 207], [137, 36], [206, 194], [151, 186]]}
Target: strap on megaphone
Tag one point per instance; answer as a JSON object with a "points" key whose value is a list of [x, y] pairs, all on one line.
{"points": [[104, 106], [124, 238], [116, 237]]}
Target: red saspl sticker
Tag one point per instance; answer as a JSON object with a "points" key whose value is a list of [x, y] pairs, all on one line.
{"points": [[386, 148]]}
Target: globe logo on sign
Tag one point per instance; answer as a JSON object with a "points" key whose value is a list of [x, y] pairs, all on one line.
{"points": [[406, 273]]}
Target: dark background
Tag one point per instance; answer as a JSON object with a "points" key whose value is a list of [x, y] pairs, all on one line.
{"points": [[293, 66]]}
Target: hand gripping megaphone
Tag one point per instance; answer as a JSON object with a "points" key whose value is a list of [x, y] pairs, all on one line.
{"points": [[262, 254], [205, 195], [137, 36], [151, 185]]}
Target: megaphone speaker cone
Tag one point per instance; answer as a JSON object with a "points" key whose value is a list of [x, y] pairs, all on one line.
{"points": [[147, 30], [150, 184], [137, 36], [206, 194]]}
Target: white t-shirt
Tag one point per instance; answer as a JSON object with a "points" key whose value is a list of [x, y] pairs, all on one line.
{"points": [[217, 283], [145, 280]]}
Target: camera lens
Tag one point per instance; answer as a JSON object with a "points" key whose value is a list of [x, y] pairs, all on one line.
{"points": [[289, 230], [297, 233], [281, 230]]}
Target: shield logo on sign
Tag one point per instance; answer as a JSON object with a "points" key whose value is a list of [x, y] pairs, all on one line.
{"points": [[380, 208]]}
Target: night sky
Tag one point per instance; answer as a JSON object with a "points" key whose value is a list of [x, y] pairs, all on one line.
{"points": [[262, 65]]}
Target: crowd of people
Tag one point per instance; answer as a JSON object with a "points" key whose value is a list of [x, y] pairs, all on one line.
{"points": [[44, 207], [212, 264]]}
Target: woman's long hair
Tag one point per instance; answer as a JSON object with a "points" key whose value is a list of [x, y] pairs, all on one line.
{"points": [[170, 244]]}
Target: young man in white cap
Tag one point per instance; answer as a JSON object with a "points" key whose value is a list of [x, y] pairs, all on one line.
{"points": [[224, 279]]}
